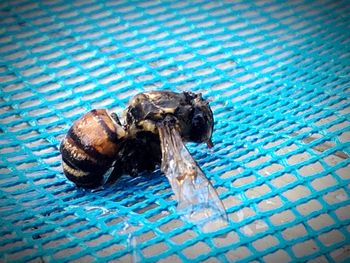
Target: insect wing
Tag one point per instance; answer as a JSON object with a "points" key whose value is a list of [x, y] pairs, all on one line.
{"points": [[197, 199]]}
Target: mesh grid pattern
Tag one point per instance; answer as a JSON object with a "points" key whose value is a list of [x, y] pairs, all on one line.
{"points": [[278, 78]]}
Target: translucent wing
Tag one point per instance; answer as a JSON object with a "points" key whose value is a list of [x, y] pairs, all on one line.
{"points": [[197, 198]]}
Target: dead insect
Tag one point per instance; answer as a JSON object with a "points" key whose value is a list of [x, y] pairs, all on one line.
{"points": [[90, 146], [156, 125]]}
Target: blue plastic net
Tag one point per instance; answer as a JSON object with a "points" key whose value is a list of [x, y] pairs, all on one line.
{"points": [[278, 78]]}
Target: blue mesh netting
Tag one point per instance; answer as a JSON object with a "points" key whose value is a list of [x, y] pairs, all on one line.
{"points": [[278, 77]]}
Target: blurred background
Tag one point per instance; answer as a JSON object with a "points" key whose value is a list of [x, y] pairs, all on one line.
{"points": [[277, 75]]}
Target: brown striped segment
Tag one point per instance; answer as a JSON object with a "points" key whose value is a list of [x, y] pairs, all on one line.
{"points": [[78, 159], [112, 134], [80, 178], [74, 172], [96, 129], [68, 147], [88, 149]]}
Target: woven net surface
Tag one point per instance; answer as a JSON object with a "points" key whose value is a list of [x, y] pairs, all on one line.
{"points": [[277, 75]]}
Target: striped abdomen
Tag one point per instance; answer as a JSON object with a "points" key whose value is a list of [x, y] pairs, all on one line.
{"points": [[90, 147]]}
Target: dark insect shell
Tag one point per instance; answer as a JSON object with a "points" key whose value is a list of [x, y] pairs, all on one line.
{"points": [[90, 147], [192, 114], [136, 155]]}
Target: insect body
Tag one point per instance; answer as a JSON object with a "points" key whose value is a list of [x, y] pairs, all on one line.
{"points": [[90, 147], [155, 128]]}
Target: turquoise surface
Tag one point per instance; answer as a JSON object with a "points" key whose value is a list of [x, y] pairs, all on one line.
{"points": [[277, 75]]}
